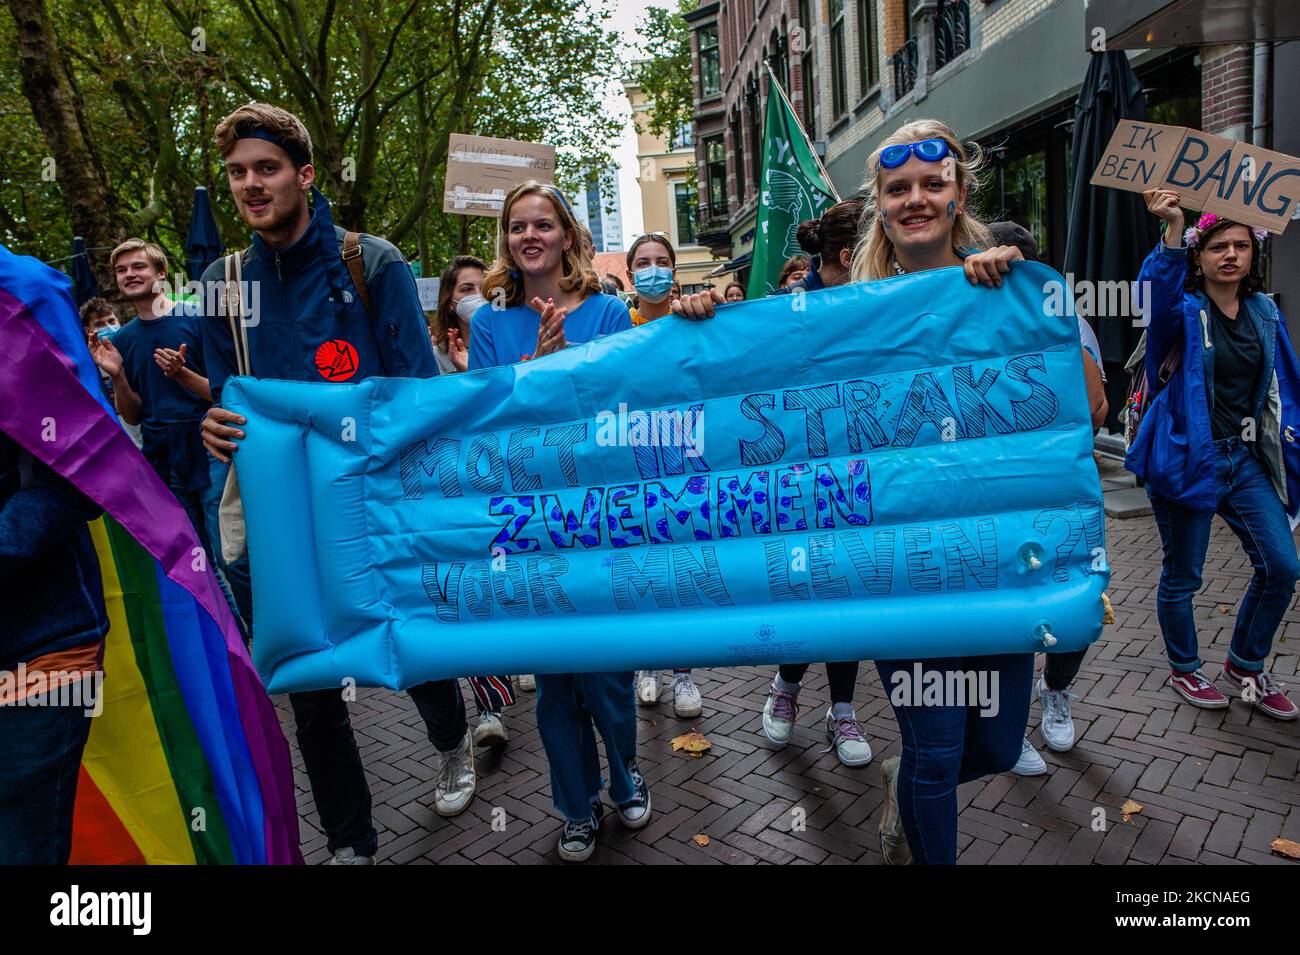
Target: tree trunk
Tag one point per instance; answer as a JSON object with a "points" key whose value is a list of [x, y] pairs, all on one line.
{"points": [[57, 107]]}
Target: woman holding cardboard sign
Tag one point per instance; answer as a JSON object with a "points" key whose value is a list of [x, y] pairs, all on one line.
{"points": [[1217, 438]]}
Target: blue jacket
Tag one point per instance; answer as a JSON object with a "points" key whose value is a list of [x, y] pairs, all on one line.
{"points": [[1174, 448], [308, 321], [50, 585], [809, 283]]}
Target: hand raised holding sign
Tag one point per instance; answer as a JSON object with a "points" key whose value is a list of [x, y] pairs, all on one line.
{"points": [[1165, 205]]}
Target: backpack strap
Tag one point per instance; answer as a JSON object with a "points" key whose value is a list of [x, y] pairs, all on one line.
{"points": [[356, 267], [234, 311]]}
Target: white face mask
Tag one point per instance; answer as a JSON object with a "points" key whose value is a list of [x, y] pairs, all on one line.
{"points": [[470, 304]]}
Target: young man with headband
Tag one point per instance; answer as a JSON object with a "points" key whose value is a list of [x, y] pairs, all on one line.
{"points": [[312, 321]]}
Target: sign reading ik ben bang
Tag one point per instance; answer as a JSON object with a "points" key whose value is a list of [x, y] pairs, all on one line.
{"points": [[1254, 186]]}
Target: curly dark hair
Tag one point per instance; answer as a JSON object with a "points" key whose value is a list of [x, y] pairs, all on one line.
{"points": [[1253, 281]]}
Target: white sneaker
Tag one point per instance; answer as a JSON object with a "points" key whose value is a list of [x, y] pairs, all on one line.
{"points": [[527, 682], [1030, 763], [647, 687], [1058, 724], [454, 780], [779, 713], [490, 730], [687, 703], [349, 856], [846, 737]]}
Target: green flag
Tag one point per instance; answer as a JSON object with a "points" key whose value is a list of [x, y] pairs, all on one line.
{"points": [[793, 188]]}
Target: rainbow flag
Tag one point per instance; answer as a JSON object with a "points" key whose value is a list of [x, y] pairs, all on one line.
{"points": [[186, 763]]}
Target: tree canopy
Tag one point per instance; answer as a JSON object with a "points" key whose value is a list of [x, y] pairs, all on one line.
{"points": [[108, 108], [665, 75]]}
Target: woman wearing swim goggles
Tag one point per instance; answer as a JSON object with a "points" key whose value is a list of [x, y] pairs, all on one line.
{"points": [[927, 150]]}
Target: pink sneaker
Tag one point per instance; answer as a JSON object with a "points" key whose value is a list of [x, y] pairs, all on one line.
{"points": [[1264, 694], [1197, 690]]}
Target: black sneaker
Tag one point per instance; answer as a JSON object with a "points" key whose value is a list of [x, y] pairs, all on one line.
{"points": [[635, 813], [578, 839]]}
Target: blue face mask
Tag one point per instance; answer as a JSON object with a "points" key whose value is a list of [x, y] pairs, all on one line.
{"points": [[654, 282]]}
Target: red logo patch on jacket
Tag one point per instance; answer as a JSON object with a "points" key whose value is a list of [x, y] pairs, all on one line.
{"points": [[336, 360]]}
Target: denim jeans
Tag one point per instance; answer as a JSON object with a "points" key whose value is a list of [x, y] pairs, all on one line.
{"points": [[40, 752], [945, 745], [333, 762], [568, 704], [239, 585], [1248, 503]]}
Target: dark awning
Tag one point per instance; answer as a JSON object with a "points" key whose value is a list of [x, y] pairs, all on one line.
{"points": [[735, 265], [1142, 24]]}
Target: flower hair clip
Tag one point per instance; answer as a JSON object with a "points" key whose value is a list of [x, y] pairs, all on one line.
{"points": [[1192, 236]]}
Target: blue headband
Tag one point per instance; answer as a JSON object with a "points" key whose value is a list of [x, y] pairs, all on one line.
{"points": [[563, 201], [261, 132]]}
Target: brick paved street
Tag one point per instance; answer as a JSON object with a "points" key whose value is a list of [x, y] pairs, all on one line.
{"points": [[1215, 786]]}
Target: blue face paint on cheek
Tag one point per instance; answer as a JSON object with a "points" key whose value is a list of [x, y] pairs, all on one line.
{"points": [[884, 219], [952, 208]]}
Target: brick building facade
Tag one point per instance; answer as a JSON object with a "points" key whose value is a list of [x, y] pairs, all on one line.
{"points": [[1002, 72]]}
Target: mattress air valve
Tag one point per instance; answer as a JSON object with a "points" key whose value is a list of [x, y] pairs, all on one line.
{"points": [[1031, 558], [1043, 636]]}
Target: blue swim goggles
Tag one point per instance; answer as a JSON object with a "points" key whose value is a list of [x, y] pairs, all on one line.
{"points": [[927, 150]]}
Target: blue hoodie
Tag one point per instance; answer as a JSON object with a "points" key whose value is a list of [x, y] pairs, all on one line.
{"points": [[309, 323], [1174, 448]]}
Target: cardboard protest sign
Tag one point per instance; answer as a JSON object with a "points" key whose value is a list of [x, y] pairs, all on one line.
{"points": [[909, 476], [482, 169], [1255, 186], [428, 289]]}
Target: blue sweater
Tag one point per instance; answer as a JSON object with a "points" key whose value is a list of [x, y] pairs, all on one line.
{"points": [[505, 336]]}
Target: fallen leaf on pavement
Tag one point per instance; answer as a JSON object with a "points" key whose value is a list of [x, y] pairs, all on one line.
{"points": [[695, 744], [1130, 809], [700, 839], [1286, 847]]}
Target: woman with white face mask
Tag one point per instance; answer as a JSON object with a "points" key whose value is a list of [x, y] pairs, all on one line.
{"points": [[652, 263], [459, 295]]}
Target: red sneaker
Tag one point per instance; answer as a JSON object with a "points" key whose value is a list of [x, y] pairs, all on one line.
{"points": [[1260, 690], [1197, 690]]}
